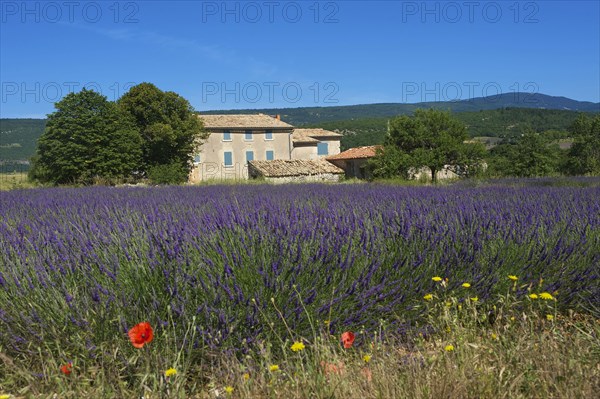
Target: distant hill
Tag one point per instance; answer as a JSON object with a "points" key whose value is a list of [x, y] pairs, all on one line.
{"points": [[18, 138], [316, 115], [497, 123], [495, 116]]}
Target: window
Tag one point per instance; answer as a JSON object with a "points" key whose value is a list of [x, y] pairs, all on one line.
{"points": [[228, 158], [226, 135], [249, 156], [248, 135], [322, 149], [269, 135], [197, 158], [270, 155]]}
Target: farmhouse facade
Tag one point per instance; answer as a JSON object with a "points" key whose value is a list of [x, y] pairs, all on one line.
{"points": [[314, 143], [236, 140]]}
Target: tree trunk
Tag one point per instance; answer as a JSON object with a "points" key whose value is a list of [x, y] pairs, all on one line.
{"points": [[433, 175]]}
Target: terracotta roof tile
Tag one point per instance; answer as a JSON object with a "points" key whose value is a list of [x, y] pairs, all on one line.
{"points": [[357, 153], [254, 121], [309, 135], [293, 167]]}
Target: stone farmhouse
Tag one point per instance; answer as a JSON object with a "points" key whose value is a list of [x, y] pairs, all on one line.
{"points": [[237, 140]]}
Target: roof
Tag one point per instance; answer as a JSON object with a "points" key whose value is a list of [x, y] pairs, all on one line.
{"points": [[308, 135], [294, 167], [237, 121], [357, 153]]}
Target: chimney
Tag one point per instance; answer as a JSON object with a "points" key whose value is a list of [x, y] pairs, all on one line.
{"points": [[278, 117]]}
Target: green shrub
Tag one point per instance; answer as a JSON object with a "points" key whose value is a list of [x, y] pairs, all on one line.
{"points": [[172, 173]]}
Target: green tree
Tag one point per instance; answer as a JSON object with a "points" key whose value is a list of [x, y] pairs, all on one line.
{"points": [[434, 139], [390, 161], [584, 155], [87, 137], [500, 157], [169, 128], [533, 155]]}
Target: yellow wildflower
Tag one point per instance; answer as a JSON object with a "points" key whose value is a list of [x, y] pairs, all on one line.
{"points": [[448, 304], [549, 317], [367, 358], [428, 297], [246, 376], [449, 348], [533, 296], [4, 396], [494, 336], [513, 277], [466, 285], [546, 295], [229, 389], [297, 346], [436, 278], [273, 368], [170, 372], [448, 329], [474, 299], [327, 322]]}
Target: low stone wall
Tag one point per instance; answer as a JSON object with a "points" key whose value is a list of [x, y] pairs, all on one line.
{"points": [[425, 172], [324, 177]]}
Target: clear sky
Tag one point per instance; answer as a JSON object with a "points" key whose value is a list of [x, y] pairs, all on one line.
{"points": [[267, 54]]}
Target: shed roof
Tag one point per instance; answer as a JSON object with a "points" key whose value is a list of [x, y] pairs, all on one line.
{"points": [[356, 153], [309, 135], [294, 167], [242, 121]]}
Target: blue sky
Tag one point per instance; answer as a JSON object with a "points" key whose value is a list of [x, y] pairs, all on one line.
{"points": [[267, 54]]}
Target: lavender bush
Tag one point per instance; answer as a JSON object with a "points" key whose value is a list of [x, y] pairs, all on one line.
{"points": [[79, 267]]}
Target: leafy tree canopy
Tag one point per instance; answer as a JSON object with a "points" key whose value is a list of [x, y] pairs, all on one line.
{"points": [[532, 155], [434, 139], [169, 128], [584, 156], [86, 138]]}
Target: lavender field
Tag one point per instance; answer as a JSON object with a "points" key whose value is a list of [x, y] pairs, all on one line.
{"points": [[220, 267]]}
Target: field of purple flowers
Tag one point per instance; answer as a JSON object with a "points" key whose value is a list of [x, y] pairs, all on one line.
{"points": [[220, 267]]}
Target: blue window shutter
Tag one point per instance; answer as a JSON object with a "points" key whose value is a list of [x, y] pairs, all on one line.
{"points": [[322, 149], [249, 156], [269, 135], [226, 135], [197, 158], [248, 134], [270, 156], [228, 158]]}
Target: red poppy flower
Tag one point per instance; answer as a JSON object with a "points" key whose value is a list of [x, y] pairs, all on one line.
{"points": [[66, 369], [141, 334], [348, 339]]}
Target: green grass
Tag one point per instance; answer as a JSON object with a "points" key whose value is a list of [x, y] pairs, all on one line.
{"points": [[14, 181]]}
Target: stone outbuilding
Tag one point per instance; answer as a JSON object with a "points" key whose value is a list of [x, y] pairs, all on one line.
{"points": [[295, 170], [354, 161]]}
